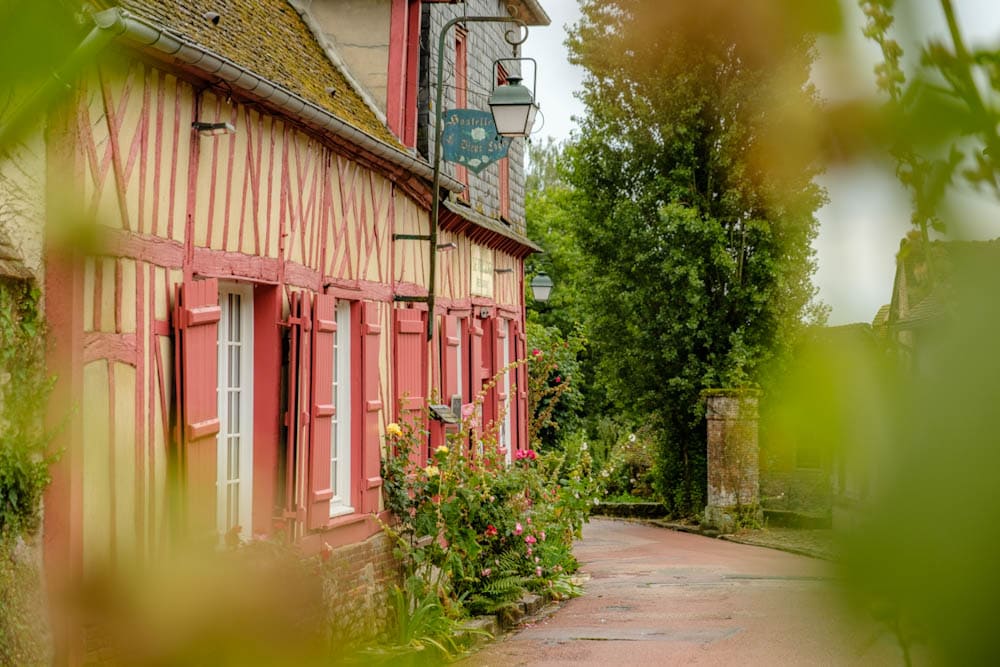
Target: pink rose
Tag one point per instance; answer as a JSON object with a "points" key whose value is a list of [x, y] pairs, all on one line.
{"points": [[530, 539], [518, 529]]}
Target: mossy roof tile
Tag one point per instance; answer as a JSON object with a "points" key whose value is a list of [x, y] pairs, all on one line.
{"points": [[270, 38]]}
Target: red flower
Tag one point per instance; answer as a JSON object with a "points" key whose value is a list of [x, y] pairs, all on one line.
{"points": [[536, 352], [558, 379], [491, 530]]}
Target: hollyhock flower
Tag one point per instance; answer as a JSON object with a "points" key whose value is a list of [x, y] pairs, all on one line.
{"points": [[394, 430], [491, 530], [530, 552], [530, 539], [443, 449], [518, 529]]}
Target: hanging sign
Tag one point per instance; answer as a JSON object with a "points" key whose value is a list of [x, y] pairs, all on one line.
{"points": [[470, 139]]}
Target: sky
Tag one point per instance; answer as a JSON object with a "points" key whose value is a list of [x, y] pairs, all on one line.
{"points": [[868, 211]]}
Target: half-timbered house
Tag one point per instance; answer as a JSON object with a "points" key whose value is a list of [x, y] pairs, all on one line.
{"points": [[254, 309]]}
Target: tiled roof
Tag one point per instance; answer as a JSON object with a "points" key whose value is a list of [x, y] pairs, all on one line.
{"points": [[881, 320], [271, 39], [931, 309]]}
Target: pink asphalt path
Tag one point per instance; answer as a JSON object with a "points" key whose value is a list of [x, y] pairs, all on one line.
{"points": [[659, 597]]}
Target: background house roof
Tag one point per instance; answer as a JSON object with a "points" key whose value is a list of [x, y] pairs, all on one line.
{"points": [[531, 12], [270, 38]]}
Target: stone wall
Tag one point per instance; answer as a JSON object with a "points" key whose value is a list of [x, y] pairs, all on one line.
{"points": [[733, 459]]}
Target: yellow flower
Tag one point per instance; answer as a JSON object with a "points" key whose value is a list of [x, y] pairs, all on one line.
{"points": [[431, 471], [443, 449], [394, 430]]}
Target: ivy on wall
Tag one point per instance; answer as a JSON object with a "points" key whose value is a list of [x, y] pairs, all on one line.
{"points": [[24, 390]]}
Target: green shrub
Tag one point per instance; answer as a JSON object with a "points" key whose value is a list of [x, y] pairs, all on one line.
{"points": [[24, 390], [478, 531]]}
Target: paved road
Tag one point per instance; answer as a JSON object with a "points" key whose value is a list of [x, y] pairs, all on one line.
{"points": [[658, 597]]}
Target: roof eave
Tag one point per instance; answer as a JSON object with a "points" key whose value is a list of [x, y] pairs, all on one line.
{"points": [[147, 35], [485, 230], [537, 15]]}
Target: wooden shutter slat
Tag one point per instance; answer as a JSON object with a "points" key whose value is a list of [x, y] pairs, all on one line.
{"points": [[324, 314], [371, 391], [449, 370], [411, 370], [200, 314], [519, 347]]}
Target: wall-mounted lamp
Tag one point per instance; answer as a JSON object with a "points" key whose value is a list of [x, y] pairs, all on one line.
{"points": [[444, 247], [212, 129], [513, 105], [508, 270], [541, 287]]}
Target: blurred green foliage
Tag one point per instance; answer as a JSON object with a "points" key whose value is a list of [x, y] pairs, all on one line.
{"points": [[24, 391]]}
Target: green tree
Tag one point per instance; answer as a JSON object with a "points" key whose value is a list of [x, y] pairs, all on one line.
{"points": [[693, 207], [548, 203]]}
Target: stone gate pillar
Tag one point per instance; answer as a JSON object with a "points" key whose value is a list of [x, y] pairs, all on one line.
{"points": [[733, 459]]}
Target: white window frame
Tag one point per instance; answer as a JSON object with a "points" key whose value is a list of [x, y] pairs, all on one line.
{"points": [[244, 425], [340, 429]]}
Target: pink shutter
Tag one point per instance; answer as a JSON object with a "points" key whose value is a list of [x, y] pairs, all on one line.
{"points": [[196, 324], [501, 342], [198, 315], [297, 419], [476, 358], [411, 368], [324, 329], [521, 397], [490, 367], [371, 332]]}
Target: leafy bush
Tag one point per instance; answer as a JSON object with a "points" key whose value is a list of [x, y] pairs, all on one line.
{"points": [[630, 469], [478, 531], [554, 398], [24, 390]]}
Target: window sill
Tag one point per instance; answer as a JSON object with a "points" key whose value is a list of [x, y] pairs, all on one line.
{"points": [[344, 519]]}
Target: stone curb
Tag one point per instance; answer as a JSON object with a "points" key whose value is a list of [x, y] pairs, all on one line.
{"points": [[710, 532], [529, 608], [798, 551]]}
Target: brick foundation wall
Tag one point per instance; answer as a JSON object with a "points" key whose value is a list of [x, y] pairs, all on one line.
{"points": [[357, 578]]}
